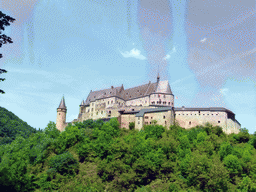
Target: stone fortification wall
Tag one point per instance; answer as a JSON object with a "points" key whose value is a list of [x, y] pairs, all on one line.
{"points": [[188, 119]]}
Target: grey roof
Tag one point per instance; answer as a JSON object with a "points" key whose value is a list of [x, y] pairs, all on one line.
{"points": [[62, 104], [152, 110], [221, 109], [163, 87], [131, 93], [82, 103]]}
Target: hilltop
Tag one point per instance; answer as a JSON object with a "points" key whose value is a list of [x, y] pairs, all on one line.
{"points": [[97, 156], [11, 126]]}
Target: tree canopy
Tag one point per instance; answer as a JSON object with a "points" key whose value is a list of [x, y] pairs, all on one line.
{"points": [[5, 20]]}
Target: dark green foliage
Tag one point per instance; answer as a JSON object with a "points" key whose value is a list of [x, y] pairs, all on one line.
{"points": [[13, 167], [64, 164], [52, 130], [233, 165], [11, 126], [154, 131], [132, 125], [225, 150], [67, 138], [243, 136], [114, 159]]}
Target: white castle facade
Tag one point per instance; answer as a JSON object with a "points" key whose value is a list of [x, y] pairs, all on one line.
{"points": [[142, 105]]}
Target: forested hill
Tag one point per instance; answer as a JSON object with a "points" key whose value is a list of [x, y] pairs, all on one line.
{"points": [[11, 126]]}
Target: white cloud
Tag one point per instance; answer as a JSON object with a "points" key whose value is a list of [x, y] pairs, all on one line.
{"points": [[203, 40], [168, 56], [135, 53], [224, 91]]}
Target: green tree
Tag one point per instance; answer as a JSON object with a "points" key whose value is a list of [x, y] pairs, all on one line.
{"points": [[132, 125], [52, 130], [4, 21]]}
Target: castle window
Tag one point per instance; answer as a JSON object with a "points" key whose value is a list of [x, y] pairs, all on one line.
{"points": [[94, 96], [110, 93], [158, 95], [165, 122], [172, 103], [164, 96], [218, 121], [132, 109], [109, 112], [138, 118], [101, 112], [191, 114], [138, 122], [97, 113], [189, 122], [151, 117], [59, 113], [146, 117], [207, 114], [126, 93], [104, 93], [138, 90], [164, 117], [150, 122], [108, 102], [92, 109], [145, 101], [111, 102], [168, 103]]}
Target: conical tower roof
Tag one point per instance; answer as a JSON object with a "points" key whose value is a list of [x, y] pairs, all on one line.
{"points": [[83, 103], [62, 104]]}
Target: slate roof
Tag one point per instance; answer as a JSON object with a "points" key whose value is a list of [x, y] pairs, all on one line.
{"points": [[204, 109], [152, 110], [62, 104], [131, 93]]}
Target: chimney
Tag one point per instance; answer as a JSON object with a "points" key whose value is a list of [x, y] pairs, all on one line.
{"points": [[112, 87]]}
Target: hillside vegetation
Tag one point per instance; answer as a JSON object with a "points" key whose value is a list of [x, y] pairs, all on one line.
{"points": [[11, 126], [98, 156]]}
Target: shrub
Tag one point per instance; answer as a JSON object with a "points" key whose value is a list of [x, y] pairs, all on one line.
{"points": [[225, 150], [132, 126], [232, 164], [51, 130], [154, 131], [64, 163]]}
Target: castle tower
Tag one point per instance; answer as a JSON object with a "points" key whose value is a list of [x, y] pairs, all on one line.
{"points": [[61, 115]]}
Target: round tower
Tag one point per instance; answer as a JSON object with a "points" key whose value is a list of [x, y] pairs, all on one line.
{"points": [[61, 115]]}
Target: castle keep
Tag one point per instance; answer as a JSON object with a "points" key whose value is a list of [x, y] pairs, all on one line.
{"points": [[142, 105]]}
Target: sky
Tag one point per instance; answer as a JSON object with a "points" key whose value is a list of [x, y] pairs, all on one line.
{"points": [[204, 48]]}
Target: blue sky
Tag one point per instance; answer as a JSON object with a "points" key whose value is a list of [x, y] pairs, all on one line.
{"points": [[71, 47]]}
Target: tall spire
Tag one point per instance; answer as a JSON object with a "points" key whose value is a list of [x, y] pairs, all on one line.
{"points": [[62, 103], [158, 77]]}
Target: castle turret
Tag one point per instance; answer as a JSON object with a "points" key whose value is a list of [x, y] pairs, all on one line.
{"points": [[61, 115]]}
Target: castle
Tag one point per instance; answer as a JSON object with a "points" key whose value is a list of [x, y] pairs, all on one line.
{"points": [[142, 105]]}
